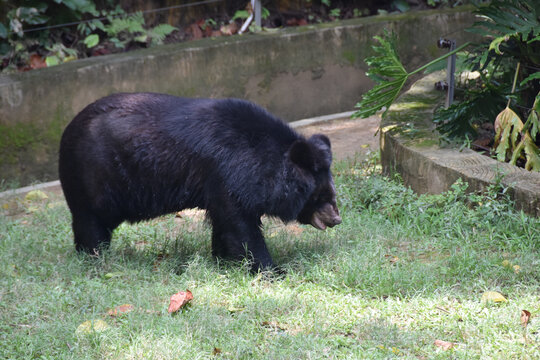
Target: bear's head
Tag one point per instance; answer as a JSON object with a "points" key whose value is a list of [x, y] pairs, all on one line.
{"points": [[315, 156]]}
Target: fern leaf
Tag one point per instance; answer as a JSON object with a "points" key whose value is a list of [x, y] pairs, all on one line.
{"points": [[160, 32]]}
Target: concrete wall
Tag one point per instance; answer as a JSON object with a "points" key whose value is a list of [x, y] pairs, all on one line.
{"points": [[295, 73]]}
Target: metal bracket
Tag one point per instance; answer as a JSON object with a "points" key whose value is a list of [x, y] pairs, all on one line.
{"points": [[450, 69]]}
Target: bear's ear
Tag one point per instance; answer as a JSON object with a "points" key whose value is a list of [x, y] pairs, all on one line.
{"points": [[321, 141], [301, 154]]}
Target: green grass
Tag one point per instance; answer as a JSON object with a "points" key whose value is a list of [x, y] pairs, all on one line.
{"points": [[401, 272]]}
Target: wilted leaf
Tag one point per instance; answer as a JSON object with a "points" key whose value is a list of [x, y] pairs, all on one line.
{"points": [[493, 296], [508, 126], [229, 29], [445, 345], [525, 316], [35, 195], [195, 31], [179, 300], [120, 310], [37, 62], [393, 259], [516, 268], [216, 351], [90, 326]]}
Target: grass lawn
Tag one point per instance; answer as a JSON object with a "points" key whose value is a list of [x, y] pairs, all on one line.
{"points": [[400, 273]]}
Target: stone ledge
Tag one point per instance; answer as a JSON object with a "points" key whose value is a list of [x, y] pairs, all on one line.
{"points": [[409, 147]]}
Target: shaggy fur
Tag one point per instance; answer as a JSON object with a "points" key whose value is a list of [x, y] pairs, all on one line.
{"points": [[132, 157]]}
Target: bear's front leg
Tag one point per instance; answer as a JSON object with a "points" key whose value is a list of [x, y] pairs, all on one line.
{"points": [[239, 236]]}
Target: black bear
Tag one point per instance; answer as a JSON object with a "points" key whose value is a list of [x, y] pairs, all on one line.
{"points": [[136, 156]]}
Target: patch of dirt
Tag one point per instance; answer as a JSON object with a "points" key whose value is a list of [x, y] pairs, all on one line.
{"points": [[349, 137]]}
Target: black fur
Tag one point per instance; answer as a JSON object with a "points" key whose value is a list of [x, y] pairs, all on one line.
{"points": [[138, 156]]}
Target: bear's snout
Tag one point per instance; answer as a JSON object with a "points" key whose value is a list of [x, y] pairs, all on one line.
{"points": [[326, 216]]}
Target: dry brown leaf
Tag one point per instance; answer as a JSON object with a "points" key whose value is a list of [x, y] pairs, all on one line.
{"points": [[216, 351], [445, 345], [195, 31], [120, 310], [179, 300], [525, 317], [229, 29], [393, 259], [37, 61]]}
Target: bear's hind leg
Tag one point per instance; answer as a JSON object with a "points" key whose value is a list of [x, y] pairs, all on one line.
{"points": [[90, 233]]}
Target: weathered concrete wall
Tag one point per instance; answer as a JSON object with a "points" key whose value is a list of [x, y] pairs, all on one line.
{"points": [[295, 73]]}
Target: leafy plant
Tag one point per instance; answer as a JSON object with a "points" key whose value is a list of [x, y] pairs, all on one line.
{"points": [[58, 54], [512, 29], [17, 37], [244, 14], [390, 76], [509, 129]]}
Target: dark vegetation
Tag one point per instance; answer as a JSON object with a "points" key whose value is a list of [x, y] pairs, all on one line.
{"points": [[34, 34]]}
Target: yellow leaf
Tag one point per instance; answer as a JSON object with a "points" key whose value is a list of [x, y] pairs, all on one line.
{"points": [[35, 195], [493, 296], [516, 268], [90, 326], [507, 128]]}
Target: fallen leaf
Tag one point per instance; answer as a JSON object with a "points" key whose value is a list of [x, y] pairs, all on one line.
{"points": [[233, 309], [195, 31], [525, 316], [516, 268], [493, 296], [90, 326], [273, 325], [393, 259], [35, 195], [120, 310], [216, 351], [445, 345], [37, 62], [112, 275], [179, 299], [229, 29]]}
